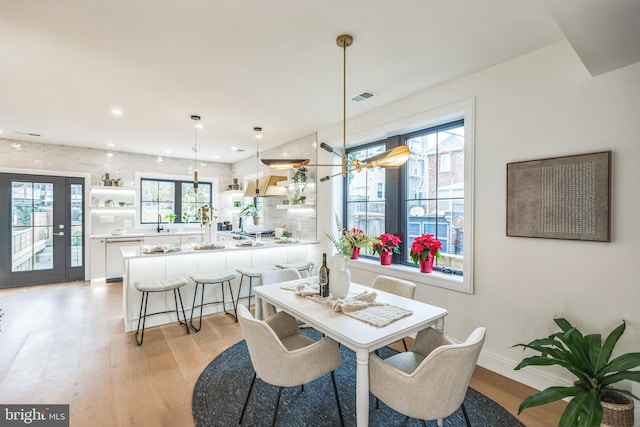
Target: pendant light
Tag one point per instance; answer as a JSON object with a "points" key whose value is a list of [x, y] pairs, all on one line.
{"points": [[195, 149], [258, 131], [392, 158]]}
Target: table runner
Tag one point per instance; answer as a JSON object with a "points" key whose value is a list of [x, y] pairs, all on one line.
{"points": [[362, 306]]}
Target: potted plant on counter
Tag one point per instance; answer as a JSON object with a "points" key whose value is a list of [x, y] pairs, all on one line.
{"points": [[589, 359], [389, 245], [251, 210]]}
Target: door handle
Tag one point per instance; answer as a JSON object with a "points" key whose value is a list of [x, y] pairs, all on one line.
{"points": [[59, 234]]}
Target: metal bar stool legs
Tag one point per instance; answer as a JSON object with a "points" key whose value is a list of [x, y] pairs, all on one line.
{"points": [[160, 285], [202, 304]]}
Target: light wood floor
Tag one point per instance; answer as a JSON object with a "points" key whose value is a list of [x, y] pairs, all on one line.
{"points": [[65, 343]]}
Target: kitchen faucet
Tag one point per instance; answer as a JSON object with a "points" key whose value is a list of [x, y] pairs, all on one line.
{"points": [[159, 229]]}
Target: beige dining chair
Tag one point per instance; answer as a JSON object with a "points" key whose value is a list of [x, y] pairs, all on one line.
{"points": [[282, 357], [395, 286], [430, 381], [269, 278]]}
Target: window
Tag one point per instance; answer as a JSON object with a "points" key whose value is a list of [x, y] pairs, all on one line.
{"points": [[159, 198], [365, 203], [426, 195], [439, 192]]}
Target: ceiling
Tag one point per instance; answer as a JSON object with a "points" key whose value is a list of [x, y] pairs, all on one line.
{"points": [[65, 65]]}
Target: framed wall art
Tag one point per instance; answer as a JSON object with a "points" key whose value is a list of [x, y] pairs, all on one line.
{"points": [[560, 198]]}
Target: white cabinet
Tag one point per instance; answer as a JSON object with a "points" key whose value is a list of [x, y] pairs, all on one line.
{"points": [[98, 259]]}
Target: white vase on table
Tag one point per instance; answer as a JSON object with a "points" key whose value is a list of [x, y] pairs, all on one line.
{"points": [[339, 277]]}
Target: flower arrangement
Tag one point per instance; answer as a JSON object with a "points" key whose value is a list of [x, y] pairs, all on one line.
{"points": [[388, 243], [349, 239], [423, 245]]}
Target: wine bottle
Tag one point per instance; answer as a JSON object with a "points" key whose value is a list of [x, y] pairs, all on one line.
{"points": [[323, 277]]}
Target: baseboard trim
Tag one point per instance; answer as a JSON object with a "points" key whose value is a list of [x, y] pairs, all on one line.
{"points": [[531, 377]]}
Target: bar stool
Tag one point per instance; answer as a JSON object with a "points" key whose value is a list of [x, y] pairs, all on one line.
{"points": [[221, 277], [252, 273], [301, 266], [159, 285]]}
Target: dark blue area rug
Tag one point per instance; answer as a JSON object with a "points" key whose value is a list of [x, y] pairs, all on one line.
{"points": [[221, 390]]}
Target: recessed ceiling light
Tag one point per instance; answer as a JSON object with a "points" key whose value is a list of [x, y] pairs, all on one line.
{"points": [[0, 130], [116, 112], [111, 144], [217, 157], [234, 148], [168, 151], [199, 126]]}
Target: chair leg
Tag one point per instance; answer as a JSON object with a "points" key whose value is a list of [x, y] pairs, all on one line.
{"points": [[244, 408], [184, 315], [377, 403], [145, 299], [335, 390], [250, 286], [466, 416], [193, 308], [233, 304], [423, 423], [275, 413], [405, 344]]}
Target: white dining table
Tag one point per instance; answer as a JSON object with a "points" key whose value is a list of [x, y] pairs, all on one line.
{"points": [[355, 334]]}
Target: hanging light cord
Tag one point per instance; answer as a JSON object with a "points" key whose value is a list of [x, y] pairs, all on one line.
{"points": [[195, 149]]}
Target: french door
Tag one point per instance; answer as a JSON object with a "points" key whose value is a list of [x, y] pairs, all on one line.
{"points": [[41, 229]]}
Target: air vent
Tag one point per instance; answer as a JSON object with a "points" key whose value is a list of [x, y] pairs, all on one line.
{"points": [[364, 95]]}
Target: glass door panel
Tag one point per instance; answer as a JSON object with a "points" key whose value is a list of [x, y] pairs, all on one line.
{"points": [[44, 221]]}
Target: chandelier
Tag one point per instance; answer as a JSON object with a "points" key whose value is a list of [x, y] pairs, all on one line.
{"points": [[392, 158]]}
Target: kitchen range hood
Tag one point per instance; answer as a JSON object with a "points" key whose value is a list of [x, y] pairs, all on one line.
{"points": [[268, 186]]}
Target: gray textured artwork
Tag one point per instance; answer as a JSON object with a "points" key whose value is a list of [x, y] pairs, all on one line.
{"points": [[560, 198]]}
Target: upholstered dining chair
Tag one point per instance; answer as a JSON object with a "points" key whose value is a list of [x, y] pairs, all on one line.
{"points": [[270, 278], [282, 357], [430, 381], [400, 287]]}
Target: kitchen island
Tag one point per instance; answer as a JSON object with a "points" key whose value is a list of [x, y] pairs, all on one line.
{"points": [[186, 261]]}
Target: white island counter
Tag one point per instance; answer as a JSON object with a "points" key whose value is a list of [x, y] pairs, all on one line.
{"points": [[140, 267]]}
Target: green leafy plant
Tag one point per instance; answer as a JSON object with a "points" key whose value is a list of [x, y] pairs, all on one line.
{"points": [[350, 239], [300, 183], [589, 359], [170, 217], [250, 210], [206, 214]]}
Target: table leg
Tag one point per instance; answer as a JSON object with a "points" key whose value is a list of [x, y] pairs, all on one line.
{"points": [[439, 326], [362, 387], [258, 307]]}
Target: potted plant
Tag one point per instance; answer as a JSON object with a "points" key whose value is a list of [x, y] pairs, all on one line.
{"points": [[350, 241], [206, 215], [388, 245], [423, 250], [589, 359], [251, 210], [186, 217], [300, 185], [171, 217]]}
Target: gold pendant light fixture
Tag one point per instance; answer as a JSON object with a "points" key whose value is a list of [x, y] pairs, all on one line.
{"points": [[392, 158], [258, 131], [195, 149]]}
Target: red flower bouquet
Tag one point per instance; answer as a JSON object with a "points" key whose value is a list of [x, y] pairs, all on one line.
{"points": [[423, 245], [388, 243]]}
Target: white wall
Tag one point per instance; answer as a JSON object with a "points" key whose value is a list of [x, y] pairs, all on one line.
{"points": [[540, 105]]}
